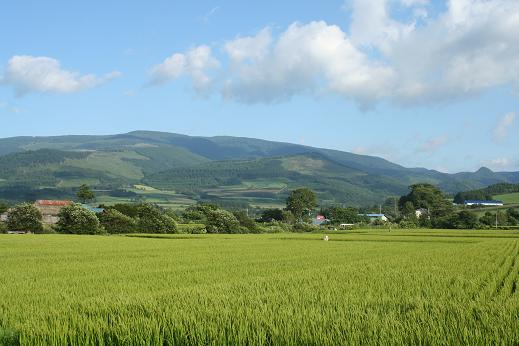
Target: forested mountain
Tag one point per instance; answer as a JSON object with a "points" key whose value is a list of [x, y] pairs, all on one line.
{"points": [[201, 166]]}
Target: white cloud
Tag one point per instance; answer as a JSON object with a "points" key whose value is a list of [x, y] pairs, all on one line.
{"points": [[253, 48], [498, 164], [372, 26], [469, 48], [312, 57], [414, 2], [433, 144], [196, 63], [503, 126], [43, 74]]}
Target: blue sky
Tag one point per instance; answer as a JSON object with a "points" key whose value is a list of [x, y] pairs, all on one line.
{"points": [[422, 83]]}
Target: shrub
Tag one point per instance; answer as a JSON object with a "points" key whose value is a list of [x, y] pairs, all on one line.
{"points": [[406, 224], [191, 228], [25, 217], [274, 214], [247, 224], [114, 221], [74, 219], [3, 227], [222, 221], [153, 220], [275, 227], [304, 227]]}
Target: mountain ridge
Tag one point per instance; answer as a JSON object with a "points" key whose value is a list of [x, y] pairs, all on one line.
{"points": [[121, 160]]}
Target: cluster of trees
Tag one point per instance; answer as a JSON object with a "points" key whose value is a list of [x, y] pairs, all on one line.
{"points": [[436, 211], [149, 218], [338, 215], [74, 219]]}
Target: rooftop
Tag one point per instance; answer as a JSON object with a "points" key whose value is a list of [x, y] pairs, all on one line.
{"points": [[46, 202]]}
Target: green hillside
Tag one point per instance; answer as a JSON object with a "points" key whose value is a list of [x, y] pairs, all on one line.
{"points": [[509, 198], [191, 168], [273, 177], [496, 191]]}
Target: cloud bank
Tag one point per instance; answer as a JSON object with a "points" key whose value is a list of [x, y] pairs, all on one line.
{"points": [[469, 48], [503, 126], [196, 63], [27, 73]]}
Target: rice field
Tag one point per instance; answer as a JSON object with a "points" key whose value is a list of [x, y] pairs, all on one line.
{"points": [[365, 287]]}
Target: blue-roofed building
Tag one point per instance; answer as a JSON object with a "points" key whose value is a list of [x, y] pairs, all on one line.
{"points": [[92, 209], [374, 217], [484, 203]]}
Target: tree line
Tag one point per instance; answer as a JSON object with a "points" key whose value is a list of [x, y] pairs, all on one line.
{"points": [[425, 206], [487, 193]]}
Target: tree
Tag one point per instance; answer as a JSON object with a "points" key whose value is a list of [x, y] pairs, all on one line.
{"points": [[74, 219], [488, 219], [222, 221], [409, 211], [3, 207], [466, 220], [25, 218], [427, 196], [84, 194], [274, 214], [339, 215], [247, 224], [114, 221], [153, 220], [301, 202], [513, 217], [128, 209]]}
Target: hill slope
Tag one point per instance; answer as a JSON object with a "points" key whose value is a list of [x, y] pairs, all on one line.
{"points": [[228, 167]]}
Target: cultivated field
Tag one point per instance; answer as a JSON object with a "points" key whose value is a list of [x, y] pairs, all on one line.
{"points": [[413, 287], [509, 198]]}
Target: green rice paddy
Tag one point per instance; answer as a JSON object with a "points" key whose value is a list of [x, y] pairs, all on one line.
{"points": [[365, 287]]}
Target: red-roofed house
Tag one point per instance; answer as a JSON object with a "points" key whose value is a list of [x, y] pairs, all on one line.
{"points": [[50, 209]]}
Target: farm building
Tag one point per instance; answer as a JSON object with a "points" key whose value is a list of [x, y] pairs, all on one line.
{"points": [[421, 212], [484, 203], [319, 220], [92, 209], [373, 217], [50, 209]]}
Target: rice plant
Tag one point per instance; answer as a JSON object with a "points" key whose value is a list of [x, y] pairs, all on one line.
{"points": [[414, 287]]}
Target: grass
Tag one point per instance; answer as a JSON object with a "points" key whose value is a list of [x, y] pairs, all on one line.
{"points": [[78, 182], [509, 198], [115, 164], [362, 287]]}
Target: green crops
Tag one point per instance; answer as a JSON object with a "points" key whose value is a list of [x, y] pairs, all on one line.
{"points": [[427, 287]]}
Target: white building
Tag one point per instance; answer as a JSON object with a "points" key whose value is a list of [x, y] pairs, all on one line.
{"points": [[374, 217], [484, 203]]}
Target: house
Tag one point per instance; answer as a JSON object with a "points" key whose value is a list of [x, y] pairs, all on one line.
{"points": [[484, 203], [421, 212], [50, 209], [319, 220], [373, 217], [3, 216]]}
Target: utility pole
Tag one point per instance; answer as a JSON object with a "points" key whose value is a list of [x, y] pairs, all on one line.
{"points": [[497, 211]]}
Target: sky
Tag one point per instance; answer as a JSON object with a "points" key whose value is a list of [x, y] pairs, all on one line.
{"points": [[423, 83]]}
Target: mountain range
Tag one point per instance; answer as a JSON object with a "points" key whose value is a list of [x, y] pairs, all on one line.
{"points": [[214, 167]]}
